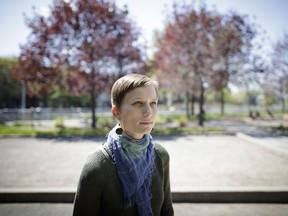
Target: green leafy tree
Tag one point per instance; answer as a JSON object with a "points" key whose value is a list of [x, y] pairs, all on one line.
{"points": [[10, 89]]}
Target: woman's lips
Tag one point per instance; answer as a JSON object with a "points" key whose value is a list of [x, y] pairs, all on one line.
{"points": [[146, 123]]}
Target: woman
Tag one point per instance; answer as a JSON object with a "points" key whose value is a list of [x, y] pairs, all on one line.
{"points": [[129, 174]]}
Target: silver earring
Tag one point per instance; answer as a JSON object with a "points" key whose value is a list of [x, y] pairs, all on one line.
{"points": [[119, 130]]}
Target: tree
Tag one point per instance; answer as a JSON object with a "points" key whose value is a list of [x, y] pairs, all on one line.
{"points": [[232, 50], [189, 35], [203, 48], [166, 62], [278, 76], [10, 90], [83, 46]]}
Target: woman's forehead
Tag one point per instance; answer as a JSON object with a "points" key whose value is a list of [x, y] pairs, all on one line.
{"points": [[148, 91]]}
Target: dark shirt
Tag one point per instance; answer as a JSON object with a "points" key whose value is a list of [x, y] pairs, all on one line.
{"points": [[99, 190]]}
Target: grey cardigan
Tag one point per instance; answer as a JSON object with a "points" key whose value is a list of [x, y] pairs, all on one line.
{"points": [[99, 190]]}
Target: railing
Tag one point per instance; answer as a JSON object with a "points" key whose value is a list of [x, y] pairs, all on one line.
{"points": [[47, 113], [85, 113]]}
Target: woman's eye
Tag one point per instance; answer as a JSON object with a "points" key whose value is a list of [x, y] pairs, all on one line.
{"points": [[141, 103], [154, 103], [137, 103]]}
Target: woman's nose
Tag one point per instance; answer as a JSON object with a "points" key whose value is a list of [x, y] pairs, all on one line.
{"points": [[147, 110]]}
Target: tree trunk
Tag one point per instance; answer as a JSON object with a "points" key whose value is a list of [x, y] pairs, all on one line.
{"points": [[282, 97], [187, 105], [23, 100], [93, 100], [222, 101], [93, 108], [193, 99], [201, 116], [283, 105]]}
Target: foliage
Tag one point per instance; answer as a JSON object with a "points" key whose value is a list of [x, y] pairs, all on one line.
{"points": [[63, 98], [8, 130], [82, 46], [10, 90], [202, 48], [179, 118], [59, 123], [281, 129], [276, 80], [32, 131], [185, 130], [28, 130], [106, 123]]}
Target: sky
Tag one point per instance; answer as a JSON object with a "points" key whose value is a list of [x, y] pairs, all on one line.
{"points": [[149, 15]]}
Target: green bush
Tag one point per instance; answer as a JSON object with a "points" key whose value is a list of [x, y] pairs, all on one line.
{"points": [[59, 122], [105, 123], [183, 122]]}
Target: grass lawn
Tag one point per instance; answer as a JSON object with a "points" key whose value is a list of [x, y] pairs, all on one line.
{"points": [[182, 127], [33, 131], [165, 125]]}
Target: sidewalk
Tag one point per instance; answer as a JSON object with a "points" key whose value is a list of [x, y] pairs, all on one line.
{"points": [[180, 209], [220, 167], [210, 175]]}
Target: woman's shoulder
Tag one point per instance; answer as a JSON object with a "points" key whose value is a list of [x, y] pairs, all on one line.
{"points": [[98, 159], [97, 168], [161, 151]]}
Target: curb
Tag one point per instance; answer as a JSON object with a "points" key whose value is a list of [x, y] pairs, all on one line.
{"points": [[229, 195], [233, 195], [37, 195]]}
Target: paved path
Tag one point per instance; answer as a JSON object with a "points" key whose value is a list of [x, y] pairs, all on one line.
{"points": [[183, 209], [196, 162]]}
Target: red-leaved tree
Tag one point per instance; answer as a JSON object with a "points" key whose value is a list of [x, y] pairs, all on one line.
{"points": [[83, 46], [188, 58], [232, 50], [202, 48]]}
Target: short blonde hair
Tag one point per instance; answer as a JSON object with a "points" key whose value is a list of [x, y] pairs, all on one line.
{"points": [[127, 83]]}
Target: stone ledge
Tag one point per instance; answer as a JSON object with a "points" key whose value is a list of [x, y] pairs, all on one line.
{"points": [[197, 195]]}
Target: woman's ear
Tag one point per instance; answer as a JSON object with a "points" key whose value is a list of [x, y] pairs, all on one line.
{"points": [[115, 112]]}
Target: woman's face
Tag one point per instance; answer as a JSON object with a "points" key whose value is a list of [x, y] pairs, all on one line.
{"points": [[138, 111]]}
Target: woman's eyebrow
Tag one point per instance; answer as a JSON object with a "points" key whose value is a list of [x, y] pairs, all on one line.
{"points": [[140, 98], [136, 98]]}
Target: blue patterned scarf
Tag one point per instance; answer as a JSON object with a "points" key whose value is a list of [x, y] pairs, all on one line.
{"points": [[134, 160]]}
